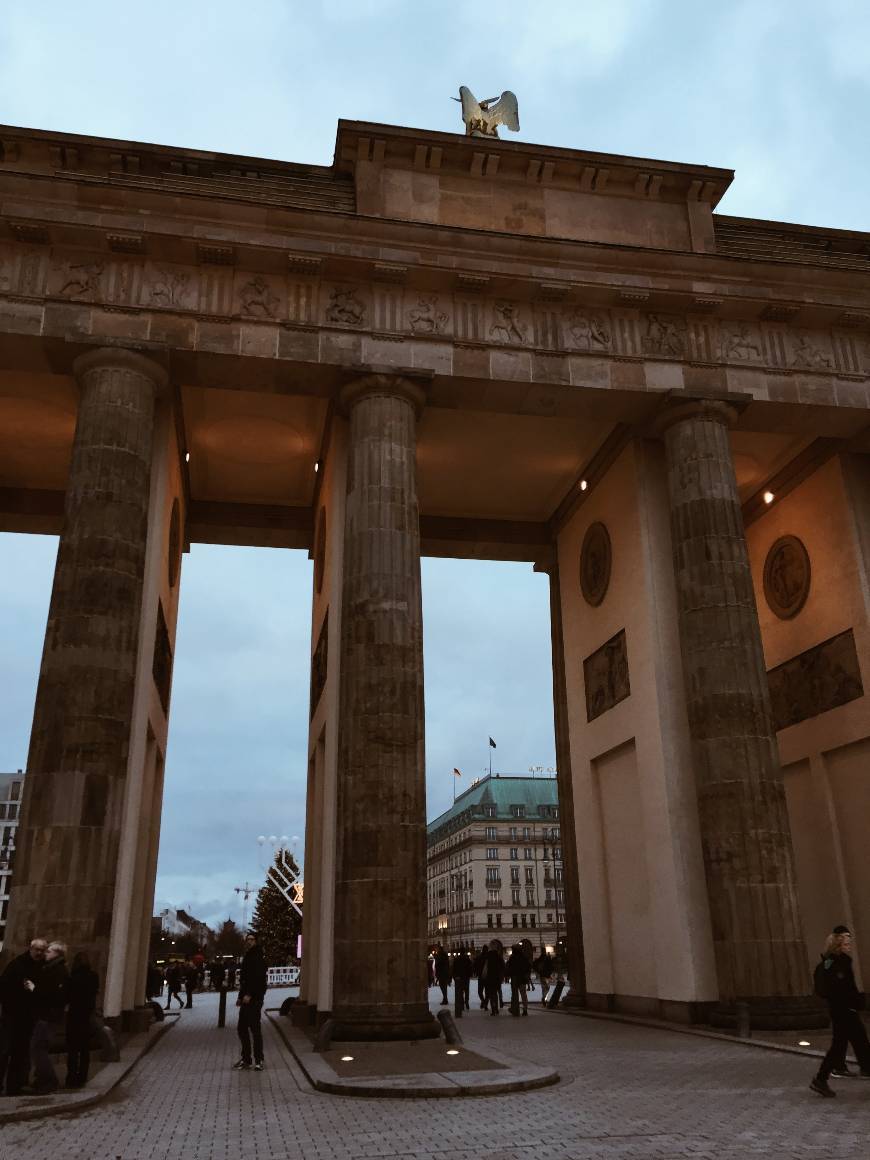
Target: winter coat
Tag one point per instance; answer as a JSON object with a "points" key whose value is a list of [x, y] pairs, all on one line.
{"points": [[493, 969], [52, 990], [82, 990], [462, 967], [841, 990], [442, 967], [519, 969], [18, 1002], [253, 975], [545, 966]]}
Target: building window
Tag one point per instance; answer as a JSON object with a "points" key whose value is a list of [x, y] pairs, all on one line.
{"points": [[516, 919], [557, 853], [498, 920], [492, 873], [527, 853], [489, 920], [513, 833], [491, 833], [3, 810], [489, 811], [15, 792], [549, 916], [530, 898], [524, 919], [492, 853], [514, 853], [529, 873], [493, 897], [546, 853], [531, 920], [527, 833], [518, 811], [548, 900], [560, 897], [515, 897]]}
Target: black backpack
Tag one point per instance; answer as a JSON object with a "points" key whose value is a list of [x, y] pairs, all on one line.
{"points": [[821, 978]]}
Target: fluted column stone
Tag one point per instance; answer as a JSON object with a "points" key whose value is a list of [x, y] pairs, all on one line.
{"points": [[748, 857], [379, 989], [68, 839]]}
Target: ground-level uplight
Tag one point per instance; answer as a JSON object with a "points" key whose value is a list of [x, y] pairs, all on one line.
{"points": [[452, 1051], [347, 1059], [803, 1043]]}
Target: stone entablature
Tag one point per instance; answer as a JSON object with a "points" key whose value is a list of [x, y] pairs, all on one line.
{"points": [[224, 309]]}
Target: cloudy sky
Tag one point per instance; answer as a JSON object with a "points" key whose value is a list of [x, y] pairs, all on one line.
{"points": [[778, 90]]}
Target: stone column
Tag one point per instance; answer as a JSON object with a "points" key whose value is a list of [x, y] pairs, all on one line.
{"points": [[748, 858], [68, 839], [565, 785], [379, 977]]}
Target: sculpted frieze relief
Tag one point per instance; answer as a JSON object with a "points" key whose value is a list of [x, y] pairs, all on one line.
{"points": [[479, 318]]}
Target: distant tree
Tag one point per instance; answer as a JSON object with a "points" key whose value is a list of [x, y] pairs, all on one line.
{"points": [[229, 940], [276, 922]]}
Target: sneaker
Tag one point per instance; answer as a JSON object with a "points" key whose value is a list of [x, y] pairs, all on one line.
{"points": [[258, 1066], [241, 1065], [822, 1088], [843, 1072]]}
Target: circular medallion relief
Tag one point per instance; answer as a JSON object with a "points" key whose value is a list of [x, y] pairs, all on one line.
{"points": [[595, 560], [174, 550], [320, 550], [787, 577]]}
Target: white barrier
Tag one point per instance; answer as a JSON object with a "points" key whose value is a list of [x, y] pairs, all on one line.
{"points": [[282, 976]]}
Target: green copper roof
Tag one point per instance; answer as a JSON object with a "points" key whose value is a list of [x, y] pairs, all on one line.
{"points": [[501, 791]]}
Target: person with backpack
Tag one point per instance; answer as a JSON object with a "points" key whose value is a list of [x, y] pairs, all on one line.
{"points": [[834, 981]]}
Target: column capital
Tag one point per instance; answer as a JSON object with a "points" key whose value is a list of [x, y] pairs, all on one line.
{"points": [[122, 359], [678, 409], [412, 388]]}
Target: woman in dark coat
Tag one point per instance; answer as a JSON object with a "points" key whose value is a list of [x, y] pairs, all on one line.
{"points": [[82, 991], [493, 976], [836, 981]]}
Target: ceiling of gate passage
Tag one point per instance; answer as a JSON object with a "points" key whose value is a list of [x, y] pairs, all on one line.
{"points": [[249, 447]]}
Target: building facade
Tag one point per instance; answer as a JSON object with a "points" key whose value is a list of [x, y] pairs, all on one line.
{"points": [[494, 865], [10, 804]]}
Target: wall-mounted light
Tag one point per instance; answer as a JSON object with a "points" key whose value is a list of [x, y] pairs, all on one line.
{"points": [[187, 457], [316, 466], [768, 497], [583, 484]]}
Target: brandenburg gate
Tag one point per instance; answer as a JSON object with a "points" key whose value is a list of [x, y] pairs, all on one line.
{"points": [[454, 346]]}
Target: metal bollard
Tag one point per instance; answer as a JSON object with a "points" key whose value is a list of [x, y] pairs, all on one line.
{"points": [[743, 1027], [222, 1008], [451, 1031]]}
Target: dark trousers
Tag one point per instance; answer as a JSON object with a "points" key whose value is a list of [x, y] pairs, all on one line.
{"points": [[45, 1031], [171, 994], [492, 997], [518, 996], [78, 1050], [444, 984], [17, 1044], [846, 1027], [249, 1028], [464, 988]]}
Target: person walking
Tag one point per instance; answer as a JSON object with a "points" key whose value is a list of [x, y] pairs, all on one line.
{"points": [[191, 981], [252, 991], [18, 1016], [519, 971], [493, 976], [153, 982], [545, 966], [173, 985], [83, 987], [443, 973], [479, 960], [834, 981], [462, 967], [50, 998]]}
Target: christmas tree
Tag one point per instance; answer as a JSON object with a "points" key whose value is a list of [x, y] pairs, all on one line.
{"points": [[275, 921]]}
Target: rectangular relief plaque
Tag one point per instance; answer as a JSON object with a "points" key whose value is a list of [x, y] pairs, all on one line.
{"points": [[605, 675], [822, 678], [318, 664]]}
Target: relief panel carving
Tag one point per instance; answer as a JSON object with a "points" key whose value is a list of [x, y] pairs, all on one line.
{"points": [[605, 676], [318, 664], [822, 678], [588, 331], [259, 296], [596, 559], [739, 342], [787, 577], [665, 334], [78, 281], [810, 352], [161, 665], [169, 288], [507, 325], [345, 306], [427, 316]]}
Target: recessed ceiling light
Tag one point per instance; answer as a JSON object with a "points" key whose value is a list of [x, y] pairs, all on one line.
{"points": [[187, 457], [583, 484], [768, 497], [317, 467], [347, 1059]]}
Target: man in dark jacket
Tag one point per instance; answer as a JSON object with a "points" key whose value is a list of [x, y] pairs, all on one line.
{"points": [[493, 976], [217, 974], [844, 1002], [83, 987], [252, 991], [442, 972], [519, 971], [16, 1023], [462, 966], [50, 998]]}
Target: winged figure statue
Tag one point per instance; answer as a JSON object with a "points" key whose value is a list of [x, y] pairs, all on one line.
{"points": [[482, 118]]}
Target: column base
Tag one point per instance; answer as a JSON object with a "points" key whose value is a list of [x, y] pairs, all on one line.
{"points": [[359, 1025], [773, 1013]]}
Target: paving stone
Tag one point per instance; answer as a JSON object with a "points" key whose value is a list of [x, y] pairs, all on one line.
{"points": [[630, 1093]]}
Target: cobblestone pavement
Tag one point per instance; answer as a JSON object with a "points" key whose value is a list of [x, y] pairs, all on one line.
{"points": [[627, 1092]]}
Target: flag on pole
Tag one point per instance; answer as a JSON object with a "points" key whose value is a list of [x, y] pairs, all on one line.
{"points": [[492, 743], [456, 771]]}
